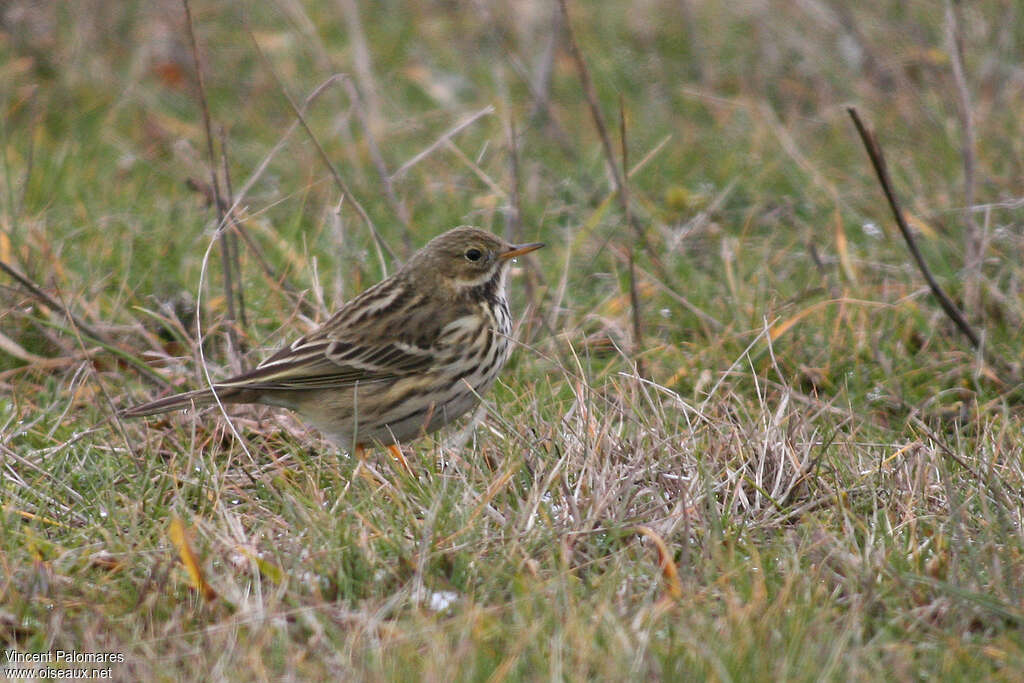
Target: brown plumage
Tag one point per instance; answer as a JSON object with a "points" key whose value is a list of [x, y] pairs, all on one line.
{"points": [[404, 358]]}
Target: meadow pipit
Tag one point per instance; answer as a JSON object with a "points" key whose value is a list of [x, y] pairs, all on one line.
{"points": [[404, 358]]}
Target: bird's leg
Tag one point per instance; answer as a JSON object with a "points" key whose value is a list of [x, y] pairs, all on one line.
{"points": [[396, 453]]}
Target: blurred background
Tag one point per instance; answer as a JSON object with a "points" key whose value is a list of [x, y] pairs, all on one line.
{"points": [[753, 197]]}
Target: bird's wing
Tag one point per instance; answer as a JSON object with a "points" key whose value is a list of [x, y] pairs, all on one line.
{"points": [[384, 333], [329, 363]]}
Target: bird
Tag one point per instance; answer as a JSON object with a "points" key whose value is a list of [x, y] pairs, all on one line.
{"points": [[402, 359]]}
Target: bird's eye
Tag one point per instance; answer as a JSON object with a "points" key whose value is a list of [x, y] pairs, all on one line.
{"points": [[474, 254]]}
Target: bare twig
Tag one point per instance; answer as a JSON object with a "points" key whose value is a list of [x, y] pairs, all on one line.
{"points": [[602, 131], [237, 218], [634, 297], [480, 173], [78, 326], [272, 275], [878, 162], [258, 173], [225, 250], [203, 189], [379, 244], [544, 112], [590, 92], [538, 83], [114, 414], [231, 238], [366, 120], [50, 302], [619, 176], [974, 248], [448, 135]]}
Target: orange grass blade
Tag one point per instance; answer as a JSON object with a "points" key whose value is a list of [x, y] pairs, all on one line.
{"points": [[179, 537], [668, 567]]}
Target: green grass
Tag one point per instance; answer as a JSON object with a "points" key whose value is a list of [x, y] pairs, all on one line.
{"points": [[835, 474]]}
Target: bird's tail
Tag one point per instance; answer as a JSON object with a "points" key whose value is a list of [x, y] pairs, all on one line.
{"points": [[197, 398]]}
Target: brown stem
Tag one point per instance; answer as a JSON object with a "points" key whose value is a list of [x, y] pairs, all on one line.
{"points": [[591, 94], [379, 244], [225, 248], [231, 239], [634, 296], [269, 272], [602, 131], [878, 162], [366, 121], [52, 303], [78, 326]]}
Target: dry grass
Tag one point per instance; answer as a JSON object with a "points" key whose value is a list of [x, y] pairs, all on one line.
{"points": [[815, 477]]}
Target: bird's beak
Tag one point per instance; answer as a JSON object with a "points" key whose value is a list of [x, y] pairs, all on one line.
{"points": [[520, 249]]}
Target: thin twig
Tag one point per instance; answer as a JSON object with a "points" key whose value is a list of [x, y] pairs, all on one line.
{"points": [[114, 414], [225, 250], [379, 244], [540, 84], [549, 120], [590, 93], [231, 236], [878, 162], [618, 175], [78, 326], [304, 306], [536, 80], [203, 189], [477, 171], [258, 173], [38, 293], [238, 220], [448, 135], [537, 84], [366, 121], [634, 297]]}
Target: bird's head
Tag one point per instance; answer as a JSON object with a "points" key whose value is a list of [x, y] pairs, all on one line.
{"points": [[464, 258]]}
